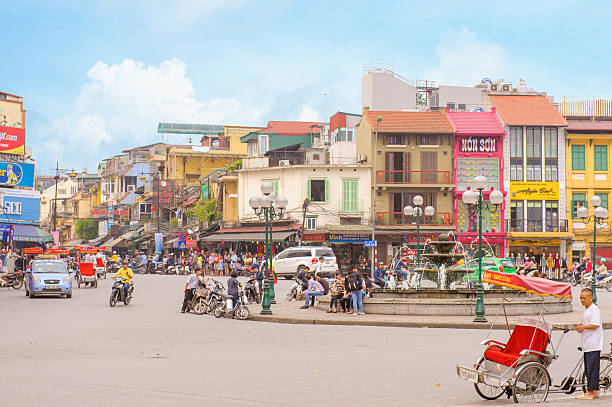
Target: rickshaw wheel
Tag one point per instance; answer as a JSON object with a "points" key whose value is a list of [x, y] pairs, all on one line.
{"points": [[605, 370], [531, 383], [486, 391]]}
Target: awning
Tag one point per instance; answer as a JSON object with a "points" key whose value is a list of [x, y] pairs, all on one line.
{"points": [[248, 237], [30, 233], [72, 243], [120, 239]]}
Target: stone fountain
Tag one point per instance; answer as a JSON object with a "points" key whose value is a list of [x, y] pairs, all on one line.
{"points": [[438, 258]]}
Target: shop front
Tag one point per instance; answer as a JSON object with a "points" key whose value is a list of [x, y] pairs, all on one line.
{"points": [[19, 218]]}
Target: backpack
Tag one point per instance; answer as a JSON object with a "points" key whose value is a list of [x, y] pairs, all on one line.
{"points": [[353, 282]]}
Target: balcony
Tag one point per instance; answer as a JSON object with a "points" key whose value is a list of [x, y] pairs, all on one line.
{"points": [[524, 225], [399, 219], [413, 177]]}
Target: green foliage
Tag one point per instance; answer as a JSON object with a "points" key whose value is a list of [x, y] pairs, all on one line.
{"points": [[235, 166], [420, 100], [204, 210], [86, 229]]}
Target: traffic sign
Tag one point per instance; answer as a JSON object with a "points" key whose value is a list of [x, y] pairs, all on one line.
{"points": [[181, 244], [182, 236], [369, 243]]}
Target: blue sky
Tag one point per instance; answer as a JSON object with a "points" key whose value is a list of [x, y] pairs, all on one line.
{"points": [[97, 76]]}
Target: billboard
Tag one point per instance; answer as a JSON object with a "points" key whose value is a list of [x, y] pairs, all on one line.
{"points": [[16, 174], [12, 140], [19, 206]]}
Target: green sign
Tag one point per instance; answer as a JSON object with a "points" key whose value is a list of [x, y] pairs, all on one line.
{"points": [[204, 189]]}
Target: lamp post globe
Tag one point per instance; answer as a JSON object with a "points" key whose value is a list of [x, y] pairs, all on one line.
{"points": [[582, 212], [480, 182], [281, 202], [254, 202], [429, 211], [418, 200], [496, 197], [267, 188], [265, 201], [408, 210], [595, 201], [469, 197], [601, 212]]}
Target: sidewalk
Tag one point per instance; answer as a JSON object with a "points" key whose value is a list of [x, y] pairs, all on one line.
{"points": [[289, 313]]}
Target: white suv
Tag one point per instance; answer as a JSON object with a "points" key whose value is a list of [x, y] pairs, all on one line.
{"points": [[288, 262]]}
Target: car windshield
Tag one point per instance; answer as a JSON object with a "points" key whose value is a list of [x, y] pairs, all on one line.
{"points": [[40, 267]]}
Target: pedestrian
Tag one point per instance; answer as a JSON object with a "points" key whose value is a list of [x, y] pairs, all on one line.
{"points": [[314, 289], [319, 266], [592, 343], [336, 291], [190, 286], [232, 287], [354, 284]]}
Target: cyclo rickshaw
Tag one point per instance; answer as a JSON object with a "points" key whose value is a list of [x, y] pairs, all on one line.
{"points": [[86, 273], [519, 367]]}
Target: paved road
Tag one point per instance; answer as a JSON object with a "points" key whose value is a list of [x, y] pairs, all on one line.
{"points": [[80, 352]]}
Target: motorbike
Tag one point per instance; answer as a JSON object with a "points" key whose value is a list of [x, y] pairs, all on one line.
{"points": [[199, 304], [251, 290], [118, 294], [14, 280], [112, 267], [240, 310], [605, 283], [296, 290], [215, 296]]}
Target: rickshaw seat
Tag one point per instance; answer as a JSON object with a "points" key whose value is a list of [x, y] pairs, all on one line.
{"points": [[520, 340], [99, 262], [86, 269]]}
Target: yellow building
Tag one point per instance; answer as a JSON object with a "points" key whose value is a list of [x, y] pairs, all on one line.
{"points": [[187, 164], [589, 144]]}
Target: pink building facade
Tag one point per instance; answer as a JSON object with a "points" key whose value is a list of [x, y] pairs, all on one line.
{"points": [[478, 150]]}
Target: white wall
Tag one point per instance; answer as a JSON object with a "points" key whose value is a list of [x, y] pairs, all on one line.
{"points": [[384, 91], [342, 152], [293, 185], [470, 96], [65, 190]]}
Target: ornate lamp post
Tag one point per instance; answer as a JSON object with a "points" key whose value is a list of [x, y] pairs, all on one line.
{"points": [[599, 215], [418, 212], [268, 207], [470, 197]]}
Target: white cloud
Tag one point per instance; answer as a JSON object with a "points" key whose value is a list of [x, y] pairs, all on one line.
{"points": [[309, 114], [464, 59], [120, 105]]}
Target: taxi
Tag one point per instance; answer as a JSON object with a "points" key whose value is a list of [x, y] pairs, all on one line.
{"points": [[48, 276]]}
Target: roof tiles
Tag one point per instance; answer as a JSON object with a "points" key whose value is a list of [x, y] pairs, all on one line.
{"points": [[475, 123], [291, 128], [527, 110], [409, 122], [589, 125]]}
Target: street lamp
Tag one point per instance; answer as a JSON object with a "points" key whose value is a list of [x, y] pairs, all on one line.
{"points": [[268, 207], [599, 215], [470, 197], [418, 212]]}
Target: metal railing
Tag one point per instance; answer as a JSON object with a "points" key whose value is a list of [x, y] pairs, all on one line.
{"points": [[526, 225], [398, 218], [413, 177]]}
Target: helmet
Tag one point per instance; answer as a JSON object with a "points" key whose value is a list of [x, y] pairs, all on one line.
{"points": [[603, 260]]}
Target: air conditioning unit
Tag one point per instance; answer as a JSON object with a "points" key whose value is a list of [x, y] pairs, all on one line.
{"points": [[493, 87], [131, 188], [361, 158], [283, 163], [507, 87]]}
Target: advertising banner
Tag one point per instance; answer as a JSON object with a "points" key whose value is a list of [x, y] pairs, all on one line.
{"points": [[204, 189], [534, 190], [12, 140], [56, 239], [16, 174], [159, 242], [103, 228], [165, 193], [532, 285], [20, 206], [348, 237]]}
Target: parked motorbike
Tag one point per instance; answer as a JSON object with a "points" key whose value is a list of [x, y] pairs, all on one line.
{"points": [[118, 294], [215, 296], [296, 290], [251, 290], [14, 280], [199, 304], [240, 309]]}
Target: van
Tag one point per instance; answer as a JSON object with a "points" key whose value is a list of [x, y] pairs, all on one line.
{"points": [[290, 261]]}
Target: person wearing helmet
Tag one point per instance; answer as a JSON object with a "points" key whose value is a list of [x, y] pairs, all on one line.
{"points": [[125, 274], [602, 271]]}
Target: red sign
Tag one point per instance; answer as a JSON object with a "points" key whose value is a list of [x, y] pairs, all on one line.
{"points": [[12, 140], [314, 236], [192, 243], [412, 238], [533, 285], [165, 193], [105, 213]]}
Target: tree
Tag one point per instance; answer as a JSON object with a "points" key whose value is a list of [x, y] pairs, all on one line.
{"points": [[204, 210], [86, 229]]}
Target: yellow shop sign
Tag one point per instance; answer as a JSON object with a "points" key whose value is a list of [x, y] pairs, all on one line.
{"points": [[534, 190]]}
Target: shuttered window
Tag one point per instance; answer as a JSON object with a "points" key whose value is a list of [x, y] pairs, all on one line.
{"points": [[601, 158], [578, 158], [604, 200], [350, 195]]}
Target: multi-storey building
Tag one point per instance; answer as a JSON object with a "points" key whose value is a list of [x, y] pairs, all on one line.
{"points": [[342, 137], [589, 173], [479, 140], [534, 172], [411, 153]]}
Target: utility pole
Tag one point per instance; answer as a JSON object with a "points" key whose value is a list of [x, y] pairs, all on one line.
{"points": [[373, 266]]}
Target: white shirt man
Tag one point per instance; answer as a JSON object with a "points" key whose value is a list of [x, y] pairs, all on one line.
{"points": [[592, 342]]}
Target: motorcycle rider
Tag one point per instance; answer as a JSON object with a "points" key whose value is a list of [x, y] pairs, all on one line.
{"points": [[126, 275], [193, 280], [601, 271]]}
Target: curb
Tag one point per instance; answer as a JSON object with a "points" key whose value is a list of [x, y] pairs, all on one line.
{"points": [[396, 324]]}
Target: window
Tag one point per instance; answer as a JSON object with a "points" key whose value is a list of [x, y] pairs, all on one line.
{"points": [[461, 107], [61, 192], [578, 200], [324, 253], [274, 185], [601, 158], [534, 154], [395, 139], [516, 216], [311, 222], [516, 153], [450, 105], [578, 157], [263, 144], [350, 195], [318, 190], [428, 140], [550, 154], [73, 190], [343, 134], [534, 216], [604, 200], [299, 253], [552, 216], [283, 255], [145, 208]]}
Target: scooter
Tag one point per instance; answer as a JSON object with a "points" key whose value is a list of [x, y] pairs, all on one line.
{"points": [[118, 294], [14, 280], [252, 291], [296, 290], [240, 310]]}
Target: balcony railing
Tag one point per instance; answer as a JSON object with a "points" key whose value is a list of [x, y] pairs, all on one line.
{"points": [[413, 177], [399, 219], [525, 225], [347, 207]]}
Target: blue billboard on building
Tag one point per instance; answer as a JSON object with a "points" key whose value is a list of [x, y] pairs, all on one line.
{"points": [[19, 206], [16, 174]]}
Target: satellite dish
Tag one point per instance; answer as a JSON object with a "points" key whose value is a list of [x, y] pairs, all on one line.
{"points": [[486, 80], [478, 109]]}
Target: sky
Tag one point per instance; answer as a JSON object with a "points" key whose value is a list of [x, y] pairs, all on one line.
{"points": [[97, 76]]}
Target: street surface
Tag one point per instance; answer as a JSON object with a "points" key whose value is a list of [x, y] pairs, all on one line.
{"points": [[81, 352]]}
